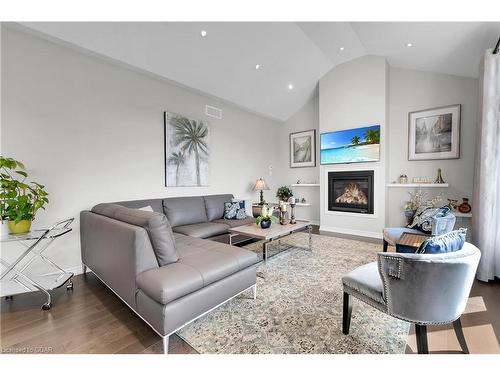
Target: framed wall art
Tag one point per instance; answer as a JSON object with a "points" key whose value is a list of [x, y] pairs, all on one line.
{"points": [[434, 133], [303, 149]]}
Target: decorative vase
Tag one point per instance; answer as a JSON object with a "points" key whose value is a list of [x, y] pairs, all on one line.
{"points": [[409, 215], [403, 179], [465, 207], [264, 224], [21, 227]]}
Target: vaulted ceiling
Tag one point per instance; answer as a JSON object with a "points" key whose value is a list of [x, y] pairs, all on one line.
{"points": [[292, 57]]}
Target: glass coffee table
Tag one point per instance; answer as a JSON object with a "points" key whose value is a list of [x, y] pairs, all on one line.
{"points": [[274, 233]]}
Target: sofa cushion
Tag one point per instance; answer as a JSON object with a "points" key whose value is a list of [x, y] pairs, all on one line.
{"points": [[214, 205], [366, 281], [185, 210], [202, 230], [155, 224], [236, 222], [201, 263], [446, 243]]}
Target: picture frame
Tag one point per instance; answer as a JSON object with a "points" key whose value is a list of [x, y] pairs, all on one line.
{"points": [[186, 154], [434, 133], [303, 149]]}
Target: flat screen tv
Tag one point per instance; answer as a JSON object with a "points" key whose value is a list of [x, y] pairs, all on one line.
{"points": [[351, 146]]}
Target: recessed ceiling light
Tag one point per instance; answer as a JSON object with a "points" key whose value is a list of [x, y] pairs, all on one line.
{"points": [[290, 87], [257, 66], [341, 48], [409, 45], [203, 33]]}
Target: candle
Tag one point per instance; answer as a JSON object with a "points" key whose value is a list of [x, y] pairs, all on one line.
{"points": [[292, 200]]}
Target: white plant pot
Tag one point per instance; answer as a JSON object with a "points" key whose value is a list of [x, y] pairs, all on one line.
{"points": [[5, 228]]}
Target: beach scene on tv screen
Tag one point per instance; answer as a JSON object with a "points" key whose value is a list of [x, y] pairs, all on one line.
{"points": [[351, 146]]}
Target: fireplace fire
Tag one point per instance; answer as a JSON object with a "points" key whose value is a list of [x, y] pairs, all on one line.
{"points": [[351, 191]]}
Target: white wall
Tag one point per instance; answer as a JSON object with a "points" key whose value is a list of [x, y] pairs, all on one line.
{"points": [[305, 119], [92, 131], [353, 95], [412, 91]]}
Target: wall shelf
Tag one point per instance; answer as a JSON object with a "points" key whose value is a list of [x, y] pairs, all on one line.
{"points": [[460, 214], [423, 185], [296, 185]]}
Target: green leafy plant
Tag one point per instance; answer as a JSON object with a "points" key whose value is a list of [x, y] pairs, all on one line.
{"points": [[19, 200], [355, 140], [266, 214], [284, 193]]}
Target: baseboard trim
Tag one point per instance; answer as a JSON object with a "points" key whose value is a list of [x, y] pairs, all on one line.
{"points": [[352, 232]]}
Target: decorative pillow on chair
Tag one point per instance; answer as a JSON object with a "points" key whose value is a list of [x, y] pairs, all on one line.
{"points": [[234, 210], [422, 221], [446, 243]]}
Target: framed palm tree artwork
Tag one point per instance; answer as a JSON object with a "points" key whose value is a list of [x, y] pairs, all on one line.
{"points": [[187, 151]]}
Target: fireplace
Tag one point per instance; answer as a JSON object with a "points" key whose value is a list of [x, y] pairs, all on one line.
{"points": [[351, 191]]}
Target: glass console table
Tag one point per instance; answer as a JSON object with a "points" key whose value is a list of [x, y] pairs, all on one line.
{"points": [[15, 276]]}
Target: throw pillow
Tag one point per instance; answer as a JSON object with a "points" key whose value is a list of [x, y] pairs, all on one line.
{"points": [[422, 220], [234, 210], [446, 243], [147, 208]]}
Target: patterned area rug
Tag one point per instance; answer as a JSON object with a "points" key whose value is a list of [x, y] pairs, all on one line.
{"points": [[299, 307]]}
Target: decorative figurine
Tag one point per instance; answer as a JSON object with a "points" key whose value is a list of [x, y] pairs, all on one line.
{"points": [[403, 179], [292, 213], [303, 200], [439, 178]]}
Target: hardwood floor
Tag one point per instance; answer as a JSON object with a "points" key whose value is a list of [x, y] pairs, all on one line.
{"points": [[91, 319]]}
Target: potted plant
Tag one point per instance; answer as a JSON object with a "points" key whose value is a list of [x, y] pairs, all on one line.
{"points": [[265, 218], [19, 200], [284, 193]]}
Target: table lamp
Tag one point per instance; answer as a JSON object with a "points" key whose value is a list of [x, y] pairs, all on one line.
{"points": [[261, 185]]}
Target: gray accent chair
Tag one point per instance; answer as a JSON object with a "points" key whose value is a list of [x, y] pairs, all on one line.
{"points": [[440, 225], [424, 289], [168, 279]]}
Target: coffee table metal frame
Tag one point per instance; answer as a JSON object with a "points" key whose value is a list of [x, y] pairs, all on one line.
{"points": [[36, 242], [268, 240]]}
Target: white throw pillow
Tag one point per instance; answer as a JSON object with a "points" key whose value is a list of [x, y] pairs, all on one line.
{"points": [[147, 208]]}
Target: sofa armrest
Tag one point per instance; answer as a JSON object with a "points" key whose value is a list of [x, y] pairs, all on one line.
{"points": [[116, 252]]}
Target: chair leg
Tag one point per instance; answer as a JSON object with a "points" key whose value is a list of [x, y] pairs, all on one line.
{"points": [[347, 312], [385, 246], [457, 326], [421, 333]]}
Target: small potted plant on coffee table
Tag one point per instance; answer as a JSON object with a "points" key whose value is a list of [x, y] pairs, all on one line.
{"points": [[266, 218]]}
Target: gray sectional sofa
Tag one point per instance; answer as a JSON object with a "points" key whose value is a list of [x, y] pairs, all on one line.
{"points": [[161, 263]]}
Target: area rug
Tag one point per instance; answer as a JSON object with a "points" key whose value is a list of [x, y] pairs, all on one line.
{"points": [[299, 307]]}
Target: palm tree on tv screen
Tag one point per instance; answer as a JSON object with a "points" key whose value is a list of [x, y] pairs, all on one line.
{"points": [[372, 136], [355, 140], [191, 135]]}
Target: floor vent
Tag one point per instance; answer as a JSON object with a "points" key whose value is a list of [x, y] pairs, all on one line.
{"points": [[213, 112]]}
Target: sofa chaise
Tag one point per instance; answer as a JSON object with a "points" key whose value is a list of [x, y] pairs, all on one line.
{"points": [[160, 262]]}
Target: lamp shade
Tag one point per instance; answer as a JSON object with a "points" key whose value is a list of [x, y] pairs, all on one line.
{"points": [[260, 184]]}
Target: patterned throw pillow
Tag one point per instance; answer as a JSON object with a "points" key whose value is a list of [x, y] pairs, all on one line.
{"points": [[234, 210], [422, 221], [446, 243]]}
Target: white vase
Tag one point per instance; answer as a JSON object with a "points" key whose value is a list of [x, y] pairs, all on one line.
{"points": [[4, 228]]}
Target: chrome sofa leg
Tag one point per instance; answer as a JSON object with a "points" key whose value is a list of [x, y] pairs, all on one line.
{"points": [[254, 290], [165, 340]]}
